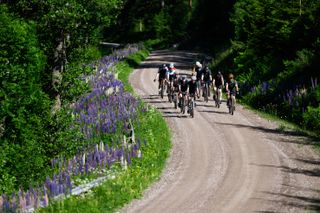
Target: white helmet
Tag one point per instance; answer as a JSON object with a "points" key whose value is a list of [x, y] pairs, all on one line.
{"points": [[171, 65], [198, 64], [193, 78]]}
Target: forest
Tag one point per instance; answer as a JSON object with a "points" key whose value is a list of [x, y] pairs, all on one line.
{"points": [[48, 48]]}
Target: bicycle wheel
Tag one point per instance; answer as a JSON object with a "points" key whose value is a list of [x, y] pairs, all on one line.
{"points": [[162, 89], [205, 93], [191, 109], [175, 101], [218, 99], [170, 95], [231, 107]]}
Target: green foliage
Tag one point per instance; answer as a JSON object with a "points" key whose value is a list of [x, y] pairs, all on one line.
{"points": [[73, 83], [25, 108], [312, 119], [276, 55]]}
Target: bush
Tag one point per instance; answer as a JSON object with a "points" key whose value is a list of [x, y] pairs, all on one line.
{"points": [[312, 119], [25, 108]]}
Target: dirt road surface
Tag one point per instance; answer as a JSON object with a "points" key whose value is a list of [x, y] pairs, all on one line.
{"points": [[224, 163]]}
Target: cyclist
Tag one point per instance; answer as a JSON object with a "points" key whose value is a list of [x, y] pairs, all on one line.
{"points": [[172, 75], [206, 78], [198, 71], [192, 89], [218, 83], [161, 75], [231, 87], [183, 88]]}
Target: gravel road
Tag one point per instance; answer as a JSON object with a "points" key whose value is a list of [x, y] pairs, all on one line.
{"points": [[224, 163]]}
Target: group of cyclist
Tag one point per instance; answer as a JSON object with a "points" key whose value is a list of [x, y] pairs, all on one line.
{"points": [[188, 90]]}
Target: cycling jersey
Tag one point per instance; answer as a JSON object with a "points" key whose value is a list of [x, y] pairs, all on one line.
{"points": [[162, 72], [176, 85], [192, 87], [172, 74], [218, 80], [198, 73], [232, 86], [206, 75], [184, 86]]}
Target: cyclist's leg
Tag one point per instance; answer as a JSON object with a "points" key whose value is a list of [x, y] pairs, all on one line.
{"points": [[219, 94]]}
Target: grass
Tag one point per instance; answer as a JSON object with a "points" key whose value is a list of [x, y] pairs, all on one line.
{"points": [[128, 184], [125, 68]]}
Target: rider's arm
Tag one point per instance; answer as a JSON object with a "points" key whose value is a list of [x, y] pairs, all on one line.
{"points": [[227, 88], [157, 76], [222, 80]]}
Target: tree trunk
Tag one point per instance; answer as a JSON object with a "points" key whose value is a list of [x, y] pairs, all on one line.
{"points": [[60, 59]]}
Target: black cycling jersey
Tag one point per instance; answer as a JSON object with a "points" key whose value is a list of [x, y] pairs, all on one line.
{"points": [[162, 72], [183, 86], [206, 75], [175, 85], [218, 80], [192, 87], [198, 73], [172, 76]]}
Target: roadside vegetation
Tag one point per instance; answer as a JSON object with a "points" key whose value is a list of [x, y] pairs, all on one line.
{"points": [[276, 59], [127, 184]]}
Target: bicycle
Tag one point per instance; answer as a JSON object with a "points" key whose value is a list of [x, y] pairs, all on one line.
{"points": [[231, 103], [175, 99], [162, 87], [217, 97], [182, 103], [206, 91], [191, 106], [170, 91]]}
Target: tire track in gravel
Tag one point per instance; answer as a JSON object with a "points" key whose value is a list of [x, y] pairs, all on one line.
{"points": [[224, 163]]}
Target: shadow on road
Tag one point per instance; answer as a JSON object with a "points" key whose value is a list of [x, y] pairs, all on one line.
{"points": [[301, 138], [313, 173], [301, 202]]}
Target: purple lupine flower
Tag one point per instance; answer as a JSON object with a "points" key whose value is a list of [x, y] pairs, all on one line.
{"points": [[22, 201], [69, 183], [13, 202], [6, 205], [45, 197]]}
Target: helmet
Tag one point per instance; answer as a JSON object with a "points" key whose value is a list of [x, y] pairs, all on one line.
{"points": [[171, 65], [230, 76], [164, 65], [219, 72], [193, 78], [198, 64]]}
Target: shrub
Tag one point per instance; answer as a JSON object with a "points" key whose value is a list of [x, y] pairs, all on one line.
{"points": [[312, 119]]}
